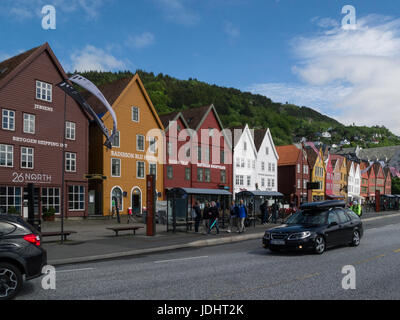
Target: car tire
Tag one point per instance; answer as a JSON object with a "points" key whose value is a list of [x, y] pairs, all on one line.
{"points": [[355, 241], [320, 245], [10, 281]]}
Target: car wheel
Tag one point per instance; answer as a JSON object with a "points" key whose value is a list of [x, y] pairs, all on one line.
{"points": [[10, 281], [320, 246], [355, 242]]}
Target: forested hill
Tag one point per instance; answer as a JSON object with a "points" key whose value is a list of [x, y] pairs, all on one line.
{"points": [[288, 123]]}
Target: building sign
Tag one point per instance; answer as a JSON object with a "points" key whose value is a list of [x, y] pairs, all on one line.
{"points": [[18, 177], [40, 142], [133, 156], [43, 108], [212, 166]]}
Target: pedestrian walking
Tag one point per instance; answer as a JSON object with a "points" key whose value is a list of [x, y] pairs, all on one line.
{"points": [[196, 214], [264, 212], [130, 215], [206, 218], [274, 209], [214, 217], [242, 216], [233, 216]]}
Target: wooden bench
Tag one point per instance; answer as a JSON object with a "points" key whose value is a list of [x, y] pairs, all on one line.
{"points": [[64, 234], [118, 229]]}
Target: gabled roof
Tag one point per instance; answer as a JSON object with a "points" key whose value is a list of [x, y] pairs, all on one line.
{"points": [[196, 116], [288, 155], [113, 92], [170, 117], [259, 136], [267, 135], [11, 67]]}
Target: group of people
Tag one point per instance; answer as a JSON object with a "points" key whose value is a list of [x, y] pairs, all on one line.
{"points": [[210, 217]]}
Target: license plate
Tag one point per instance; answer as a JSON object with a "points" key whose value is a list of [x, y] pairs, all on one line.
{"points": [[278, 242]]}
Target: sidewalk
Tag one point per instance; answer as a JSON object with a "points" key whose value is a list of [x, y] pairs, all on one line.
{"points": [[93, 242]]}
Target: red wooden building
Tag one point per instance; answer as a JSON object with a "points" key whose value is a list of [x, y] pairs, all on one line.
{"points": [[364, 179], [388, 181], [293, 174], [32, 136]]}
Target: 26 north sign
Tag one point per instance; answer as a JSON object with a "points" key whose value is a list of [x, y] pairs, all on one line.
{"points": [[18, 177]]}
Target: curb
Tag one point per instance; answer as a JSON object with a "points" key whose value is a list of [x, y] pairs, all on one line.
{"points": [[126, 254]]}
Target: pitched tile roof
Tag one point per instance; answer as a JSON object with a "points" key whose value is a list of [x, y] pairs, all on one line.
{"points": [[288, 155], [166, 118], [259, 135], [194, 116]]}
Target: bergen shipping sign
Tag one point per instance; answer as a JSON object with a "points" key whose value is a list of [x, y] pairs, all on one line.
{"points": [[210, 146]]}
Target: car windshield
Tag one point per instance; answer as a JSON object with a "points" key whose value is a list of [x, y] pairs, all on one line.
{"points": [[308, 217]]}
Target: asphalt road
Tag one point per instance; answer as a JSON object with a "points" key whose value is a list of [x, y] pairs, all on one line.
{"points": [[241, 271]]}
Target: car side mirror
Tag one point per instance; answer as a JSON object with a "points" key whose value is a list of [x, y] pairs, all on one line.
{"points": [[332, 224]]}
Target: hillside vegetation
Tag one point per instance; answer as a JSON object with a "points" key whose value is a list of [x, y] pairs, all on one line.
{"points": [[287, 122]]}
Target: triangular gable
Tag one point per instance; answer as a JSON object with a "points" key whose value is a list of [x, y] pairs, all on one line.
{"points": [[136, 79], [271, 142]]}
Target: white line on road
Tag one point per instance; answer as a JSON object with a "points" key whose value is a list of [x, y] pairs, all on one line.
{"points": [[182, 259], [75, 270]]}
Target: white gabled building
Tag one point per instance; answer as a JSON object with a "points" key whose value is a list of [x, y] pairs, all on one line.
{"points": [[244, 160], [354, 180], [267, 161]]}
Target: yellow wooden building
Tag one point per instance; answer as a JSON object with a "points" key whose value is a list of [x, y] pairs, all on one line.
{"points": [[317, 167], [137, 149]]}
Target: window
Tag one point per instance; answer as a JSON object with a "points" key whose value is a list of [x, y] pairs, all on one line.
{"points": [[135, 114], [51, 199], [140, 169], [211, 132], [333, 217], [263, 166], [207, 154], [298, 168], [245, 146], [44, 91], [29, 123], [248, 181], [269, 183], [273, 167], [27, 156], [248, 164], [70, 130], [305, 169], [304, 184], [267, 151], [298, 183], [10, 197], [263, 182], [76, 198], [139, 142], [152, 144], [187, 174], [6, 156], [116, 143], [222, 156], [116, 198], [242, 163], [8, 120], [199, 174], [238, 162], [115, 167], [273, 183], [199, 153], [223, 176], [169, 149], [153, 169], [207, 175], [70, 162], [269, 167], [170, 172], [254, 164]]}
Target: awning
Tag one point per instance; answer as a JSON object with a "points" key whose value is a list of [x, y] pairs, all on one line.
{"points": [[196, 191], [259, 193]]}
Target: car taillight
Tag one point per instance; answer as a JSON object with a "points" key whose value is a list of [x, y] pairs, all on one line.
{"points": [[32, 238]]}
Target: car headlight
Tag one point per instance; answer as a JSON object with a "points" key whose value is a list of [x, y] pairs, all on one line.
{"points": [[299, 236], [267, 235]]}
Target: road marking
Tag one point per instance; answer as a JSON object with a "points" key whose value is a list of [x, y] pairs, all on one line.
{"points": [[269, 285], [369, 260], [74, 270], [182, 259]]}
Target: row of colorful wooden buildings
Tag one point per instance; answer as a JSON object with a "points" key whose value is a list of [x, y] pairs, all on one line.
{"points": [[49, 141]]}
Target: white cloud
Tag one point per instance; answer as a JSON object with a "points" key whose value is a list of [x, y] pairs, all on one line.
{"points": [[177, 11], [351, 74], [144, 40], [92, 58]]}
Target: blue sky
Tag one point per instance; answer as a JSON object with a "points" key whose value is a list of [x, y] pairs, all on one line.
{"points": [[288, 50]]}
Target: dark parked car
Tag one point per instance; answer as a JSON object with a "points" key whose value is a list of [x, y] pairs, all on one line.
{"points": [[316, 226], [21, 256]]}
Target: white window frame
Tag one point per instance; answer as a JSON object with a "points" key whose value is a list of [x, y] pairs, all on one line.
{"points": [[29, 123], [118, 135], [120, 167], [45, 88], [81, 191], [70, 130], [138, 114], [10, 116], [154, 145], [45, 204], [248, 181], [25, 154], [72, 161], [153, 164], [9, 153], [137, 142], [137, 169]]}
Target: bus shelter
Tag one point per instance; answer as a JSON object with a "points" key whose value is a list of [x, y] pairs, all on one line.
{"points": [[180, 202], [254, 199], [389, 202]]}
